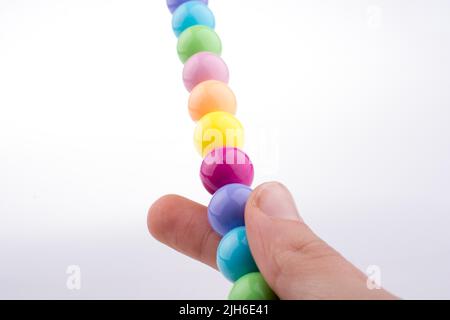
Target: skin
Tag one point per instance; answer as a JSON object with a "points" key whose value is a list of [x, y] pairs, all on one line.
{"points": [[295, 262]]}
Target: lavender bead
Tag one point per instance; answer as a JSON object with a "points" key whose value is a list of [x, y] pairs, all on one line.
{"points": [[227, 207], [224, 166], [174, 4]]}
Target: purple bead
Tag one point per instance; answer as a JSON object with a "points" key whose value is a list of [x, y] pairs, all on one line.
{"points": [[224, 166], [174, 4], [227, 207]]}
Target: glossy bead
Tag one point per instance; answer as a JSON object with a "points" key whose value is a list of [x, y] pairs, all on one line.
{"points": [[252, 286], [234, 258], [216, 130], [211, 96], [227, 207], [224, 166], [190, 14], [204, 66], [198, 39], [174, 4]]}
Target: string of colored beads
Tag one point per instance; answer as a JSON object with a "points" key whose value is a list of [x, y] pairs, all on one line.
{"points": [[226, 171]]}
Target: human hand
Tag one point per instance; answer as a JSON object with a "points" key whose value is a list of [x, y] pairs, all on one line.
{"points": [[294, 261]]}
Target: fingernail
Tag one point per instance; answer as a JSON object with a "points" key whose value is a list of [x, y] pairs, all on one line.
{"points": [[276, 201]]}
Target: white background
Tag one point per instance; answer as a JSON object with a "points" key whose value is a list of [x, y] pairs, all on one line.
{"points": [[346, 102]]}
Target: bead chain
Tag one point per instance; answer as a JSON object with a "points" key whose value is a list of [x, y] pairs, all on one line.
{"points": [[226, 171]]}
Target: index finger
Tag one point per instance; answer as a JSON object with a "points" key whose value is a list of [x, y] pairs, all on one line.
{"points": [[183, 225]]}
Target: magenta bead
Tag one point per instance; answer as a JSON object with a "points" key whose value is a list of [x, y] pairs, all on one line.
{"points": [[204, 66], [225, 166]]}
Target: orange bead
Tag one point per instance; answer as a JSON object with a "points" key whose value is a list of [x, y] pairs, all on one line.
{"points": [[211, 96]]}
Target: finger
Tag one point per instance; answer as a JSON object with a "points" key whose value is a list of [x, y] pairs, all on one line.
{"points": [[295, 262], [183, 225]]}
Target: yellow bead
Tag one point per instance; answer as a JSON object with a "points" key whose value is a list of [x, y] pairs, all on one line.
{"points": [[216, 130]]}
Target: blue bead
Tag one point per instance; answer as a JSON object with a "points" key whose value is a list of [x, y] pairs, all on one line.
{"points": [[234, 258], [227, 207], [174, 4], [190, 14]]}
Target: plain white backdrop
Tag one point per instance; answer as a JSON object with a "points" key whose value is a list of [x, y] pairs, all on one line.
{"points": [[346, 102]]}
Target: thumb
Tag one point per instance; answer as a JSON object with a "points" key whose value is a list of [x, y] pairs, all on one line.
{"points": [[295, 262]]}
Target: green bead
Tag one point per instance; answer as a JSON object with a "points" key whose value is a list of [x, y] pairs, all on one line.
{"points": [[198, 39], [252, 286]]}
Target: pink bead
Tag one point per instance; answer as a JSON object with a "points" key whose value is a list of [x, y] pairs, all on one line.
{"points": [[204, 66], [224, 166]]}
